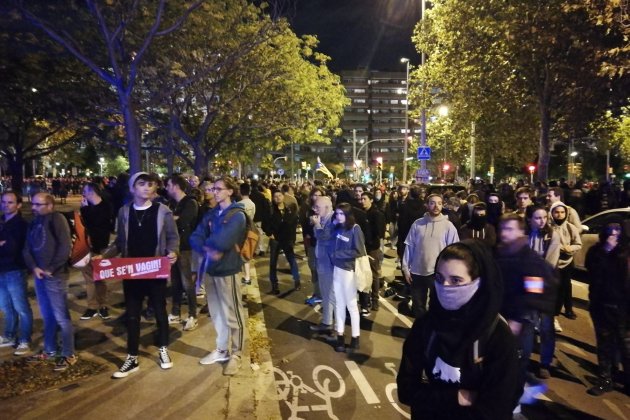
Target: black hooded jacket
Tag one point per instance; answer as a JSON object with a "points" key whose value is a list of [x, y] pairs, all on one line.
{"points": [[452, 337]]}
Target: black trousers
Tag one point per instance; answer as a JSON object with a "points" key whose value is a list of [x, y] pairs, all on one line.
{"points": [[612, 331], [565, 291], [135, 292]]}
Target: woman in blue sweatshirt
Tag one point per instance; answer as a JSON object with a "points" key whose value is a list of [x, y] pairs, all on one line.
{"points": [[349, 244]]}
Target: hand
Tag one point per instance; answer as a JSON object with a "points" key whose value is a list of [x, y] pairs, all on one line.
{"points": [[515, 326], [213, 254], [172, 257], [84, 202], [466, 398], [315, 220], [40, 274], [2, 243], [97, 257], [407, 275]]}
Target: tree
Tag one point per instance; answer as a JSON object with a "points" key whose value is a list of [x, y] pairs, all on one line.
{"points": [[262, 87], [44, 98], [111, 39], [513, 67]]}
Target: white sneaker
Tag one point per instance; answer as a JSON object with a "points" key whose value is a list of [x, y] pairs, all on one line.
{"points": [[174, 319], [232, 367], [191, 324], [217, 356], [6, 342], [556, 325], [22, 349], [165, 359]]}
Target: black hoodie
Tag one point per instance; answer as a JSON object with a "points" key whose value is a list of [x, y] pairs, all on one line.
{"points": [[451, 337]]}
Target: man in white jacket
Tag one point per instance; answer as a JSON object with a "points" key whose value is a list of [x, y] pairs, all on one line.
{"points": [[427, 237]]}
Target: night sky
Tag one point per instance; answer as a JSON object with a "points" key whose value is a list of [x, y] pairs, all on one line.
{"points": [[372, 34]]}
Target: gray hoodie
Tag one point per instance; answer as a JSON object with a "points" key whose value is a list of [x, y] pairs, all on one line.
{"points": [[427, 237]]}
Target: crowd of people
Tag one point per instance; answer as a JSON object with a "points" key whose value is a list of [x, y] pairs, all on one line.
{"points": [[484, 269]]}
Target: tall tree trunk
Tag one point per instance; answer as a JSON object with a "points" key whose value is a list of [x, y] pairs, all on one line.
{"points": [[201, 163], [543, 144], [132, 132], [16, 168]]}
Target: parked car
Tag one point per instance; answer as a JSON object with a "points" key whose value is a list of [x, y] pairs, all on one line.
{"points": [[591, 226]]}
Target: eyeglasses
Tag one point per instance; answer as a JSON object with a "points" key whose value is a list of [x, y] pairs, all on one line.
{"points": [[215, 189]]}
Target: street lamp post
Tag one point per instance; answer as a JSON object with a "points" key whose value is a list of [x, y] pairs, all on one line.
{"points": [[405, 140]]}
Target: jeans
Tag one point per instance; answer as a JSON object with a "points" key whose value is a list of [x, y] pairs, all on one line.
{"points": [[14, 304], [182, 280], [421, 287], [52, 297], [325, 276], [135, 291], [312, 266], [547, 340], [274, 251]]}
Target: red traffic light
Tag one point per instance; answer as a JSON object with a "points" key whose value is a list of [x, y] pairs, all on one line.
{"points": [[446, 167], [531, 168]]}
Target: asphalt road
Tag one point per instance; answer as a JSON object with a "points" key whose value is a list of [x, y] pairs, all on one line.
{"points": [[315, 382]]}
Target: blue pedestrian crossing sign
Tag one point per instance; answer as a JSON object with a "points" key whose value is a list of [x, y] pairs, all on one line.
{"points": [[424, 153]]}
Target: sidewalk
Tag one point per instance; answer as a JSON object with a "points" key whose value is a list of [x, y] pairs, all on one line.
{"points": [[188, 390]]}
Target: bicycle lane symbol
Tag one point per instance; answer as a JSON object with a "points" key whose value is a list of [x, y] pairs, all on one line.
{"points": [[330, 385]]}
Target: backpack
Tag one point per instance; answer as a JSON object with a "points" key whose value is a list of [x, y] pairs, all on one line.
{"points": [[80, 250], [247, 246]]}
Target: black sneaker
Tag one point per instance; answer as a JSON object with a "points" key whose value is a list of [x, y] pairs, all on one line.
{"points": [[604, 386], [274, 290], [104, 313], [89, 314], [130, 366]]}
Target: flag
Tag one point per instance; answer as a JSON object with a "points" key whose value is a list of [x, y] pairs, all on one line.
{"points": [[322, 168]]}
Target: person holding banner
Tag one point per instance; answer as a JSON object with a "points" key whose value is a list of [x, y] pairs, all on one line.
{"points": [[144, 229], [218, 237]]}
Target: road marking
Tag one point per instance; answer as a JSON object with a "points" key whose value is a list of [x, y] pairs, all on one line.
{"points": [[362, 383], [393, 310], [613, 407], [574, 348]]}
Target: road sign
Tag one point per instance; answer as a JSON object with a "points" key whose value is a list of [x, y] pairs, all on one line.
{"points": [[424, 153], [280, 171]]}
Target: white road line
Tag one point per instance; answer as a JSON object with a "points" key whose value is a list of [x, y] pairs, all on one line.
{"points": [[393, 310], [614, 408], [362, 383]]}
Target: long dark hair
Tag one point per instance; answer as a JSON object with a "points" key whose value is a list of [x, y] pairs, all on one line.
{"points": [[347, 211]]}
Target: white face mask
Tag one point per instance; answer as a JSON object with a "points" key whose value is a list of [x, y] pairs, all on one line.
{"points": [[454, 297]]}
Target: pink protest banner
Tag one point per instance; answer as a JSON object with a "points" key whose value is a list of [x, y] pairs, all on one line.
{"points": [[130, 268]]}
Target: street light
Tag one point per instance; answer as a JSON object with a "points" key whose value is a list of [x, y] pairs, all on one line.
{"points": [[101, 162], [405, 141], [279, 157]]}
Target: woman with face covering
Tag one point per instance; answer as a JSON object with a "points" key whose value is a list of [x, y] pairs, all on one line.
{"points": [[570, 243], [461, 360]]}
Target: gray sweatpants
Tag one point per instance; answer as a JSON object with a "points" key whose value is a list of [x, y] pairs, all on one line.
{"points": [[226, 311]]}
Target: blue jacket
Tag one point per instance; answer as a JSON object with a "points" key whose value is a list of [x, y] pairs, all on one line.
{"points": [[222, 235]]}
